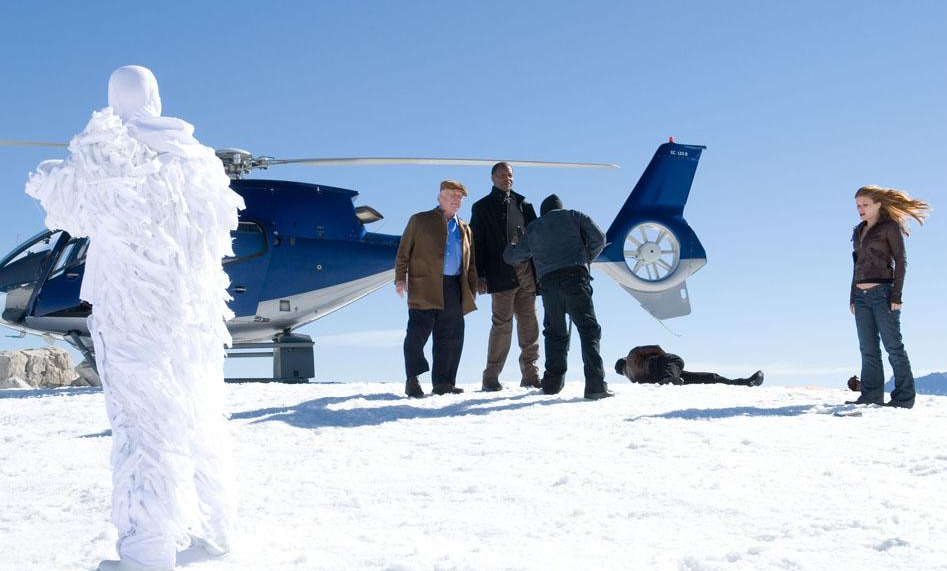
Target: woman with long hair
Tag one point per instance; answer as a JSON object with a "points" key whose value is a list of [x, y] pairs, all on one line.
{"points": [[877, 281]]}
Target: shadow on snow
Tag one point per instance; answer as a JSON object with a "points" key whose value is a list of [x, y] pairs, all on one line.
{"points": [[730, 412], [40, 393], [317, 414]]}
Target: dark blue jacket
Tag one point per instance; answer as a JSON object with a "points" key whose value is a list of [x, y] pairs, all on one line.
{"points": [[558, 239]]}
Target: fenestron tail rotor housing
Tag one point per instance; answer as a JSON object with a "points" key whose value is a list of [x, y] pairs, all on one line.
{"points": [[652, 251]]}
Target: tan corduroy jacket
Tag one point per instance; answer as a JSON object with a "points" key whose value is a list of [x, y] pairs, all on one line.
{"points": [[420, 261]]}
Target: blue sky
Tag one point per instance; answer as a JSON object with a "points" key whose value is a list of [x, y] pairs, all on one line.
{"points": [[799, 104]]}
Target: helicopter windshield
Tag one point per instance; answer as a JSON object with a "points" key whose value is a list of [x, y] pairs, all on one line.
{"points": [[22, 271], [25, 264]]}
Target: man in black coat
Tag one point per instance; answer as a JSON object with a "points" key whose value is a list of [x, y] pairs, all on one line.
{"points": [[562, 244], [497, 220]]}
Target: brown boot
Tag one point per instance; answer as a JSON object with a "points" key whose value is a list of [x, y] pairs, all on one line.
{"points": [[491, 386], [446, 388], [531, 383], [412, 388]]}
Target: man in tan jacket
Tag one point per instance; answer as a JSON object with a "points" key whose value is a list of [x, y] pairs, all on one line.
{"points": [[436, 266]]}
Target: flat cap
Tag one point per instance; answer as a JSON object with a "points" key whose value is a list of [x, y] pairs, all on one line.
{"points": [[453, 185]]}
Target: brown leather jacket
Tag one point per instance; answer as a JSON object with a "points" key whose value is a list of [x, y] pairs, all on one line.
{"points": [[636, 364], [420, 262], [879, 256]]}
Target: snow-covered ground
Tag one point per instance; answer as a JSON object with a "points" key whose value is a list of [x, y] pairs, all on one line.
{"points": [[355, 476]]}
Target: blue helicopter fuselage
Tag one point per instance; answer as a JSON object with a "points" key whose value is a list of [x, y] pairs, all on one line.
{"points": [[300, 253]]}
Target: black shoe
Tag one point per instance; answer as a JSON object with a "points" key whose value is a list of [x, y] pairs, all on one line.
{"points": [[863, 400], [446, 388], [899, 404], [599, 395], [552, 386], [755, 380], [533, 384], [491, 386], [671, 381], [412, 388]]}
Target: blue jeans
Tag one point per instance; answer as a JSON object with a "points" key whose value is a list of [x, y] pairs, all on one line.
{"points": [[873, 320]]}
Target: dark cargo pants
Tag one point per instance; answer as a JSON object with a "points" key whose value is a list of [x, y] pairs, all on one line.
{"points": [[567, 292], [669, 366]]}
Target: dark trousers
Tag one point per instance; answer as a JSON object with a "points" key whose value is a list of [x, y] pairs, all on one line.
{"points": [[568, 292], [873, 320], [448, 327], [670, 366]]}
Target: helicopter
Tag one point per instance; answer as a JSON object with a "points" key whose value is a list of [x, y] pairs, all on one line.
{"points": [[303, 251]]}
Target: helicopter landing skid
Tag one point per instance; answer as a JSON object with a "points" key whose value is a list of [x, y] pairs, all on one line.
{"points": [[84, 349], [292, 359]]}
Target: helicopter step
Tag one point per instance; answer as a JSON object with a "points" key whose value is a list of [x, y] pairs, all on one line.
{"points": [[292, 354]]}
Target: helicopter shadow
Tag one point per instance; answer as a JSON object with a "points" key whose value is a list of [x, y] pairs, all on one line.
{"points": [[729, 412], [318, 414]]}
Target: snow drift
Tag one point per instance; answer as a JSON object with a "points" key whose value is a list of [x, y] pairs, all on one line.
{"points": [[355, 476]]}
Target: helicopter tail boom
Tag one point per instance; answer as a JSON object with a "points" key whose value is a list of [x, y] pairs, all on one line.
{"points": [[651, 248]]}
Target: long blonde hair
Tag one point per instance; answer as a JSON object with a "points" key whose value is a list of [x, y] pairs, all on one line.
{"points": [[896, 205]]}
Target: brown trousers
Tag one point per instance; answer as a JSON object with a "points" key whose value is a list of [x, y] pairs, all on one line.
{"points": [[521, 303]]}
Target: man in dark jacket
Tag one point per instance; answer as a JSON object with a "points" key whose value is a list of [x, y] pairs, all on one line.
{"points": [[562, 244], [651, 364], [435, 266], [496, 220]]}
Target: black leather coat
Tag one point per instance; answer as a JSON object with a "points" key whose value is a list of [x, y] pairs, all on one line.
{"points": [[879, 257], [488, 222]]}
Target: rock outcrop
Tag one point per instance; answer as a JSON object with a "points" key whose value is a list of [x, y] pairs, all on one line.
{"points": [[46, 367]]}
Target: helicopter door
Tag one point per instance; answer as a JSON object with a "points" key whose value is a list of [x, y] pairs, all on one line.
{"points": [[59, 296], [23, 271], [248, 267]]}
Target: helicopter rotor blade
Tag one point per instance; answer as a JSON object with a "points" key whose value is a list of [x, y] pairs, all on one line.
{"points": [[362, 161], [16, 143]]}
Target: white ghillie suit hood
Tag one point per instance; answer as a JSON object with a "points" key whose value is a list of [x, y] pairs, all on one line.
{"points": [[133, 93], [158, 210], [156, 204]]}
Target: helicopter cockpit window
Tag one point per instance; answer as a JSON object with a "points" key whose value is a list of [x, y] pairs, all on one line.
{"points": [[72, 255], [63, 258], [36, 249], [81, 251], [29, 262], [249, 240]]}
